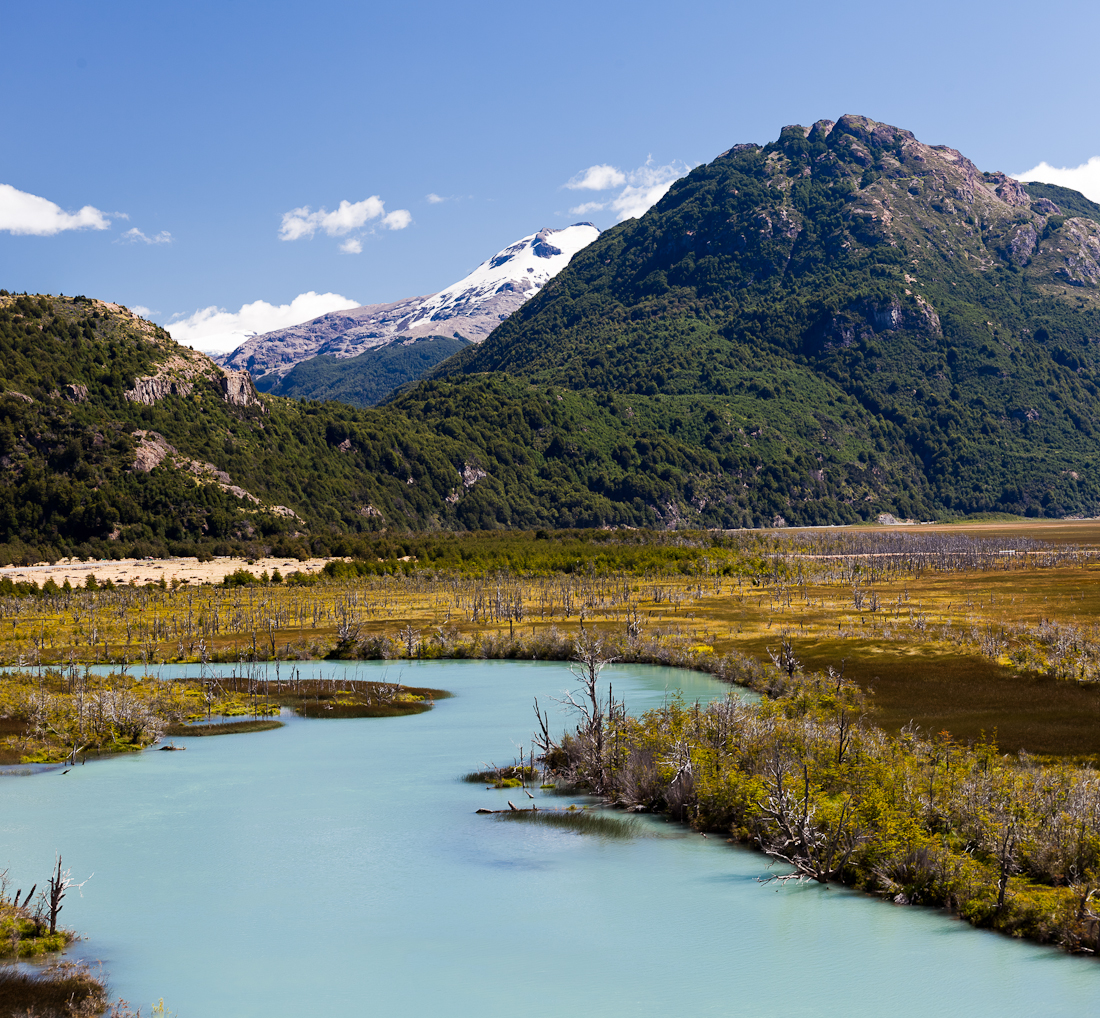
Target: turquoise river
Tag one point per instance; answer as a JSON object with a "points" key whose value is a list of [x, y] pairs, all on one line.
{"points": [[339, 868]]}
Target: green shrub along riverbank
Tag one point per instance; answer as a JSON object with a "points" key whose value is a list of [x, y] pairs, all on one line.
{"points": [[1005, 842]]}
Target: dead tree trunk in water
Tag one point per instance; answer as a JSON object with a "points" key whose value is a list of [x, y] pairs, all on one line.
{"points": [[590, 657]]}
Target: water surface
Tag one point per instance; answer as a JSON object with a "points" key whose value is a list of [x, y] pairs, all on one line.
{"points": [[337, 867]]}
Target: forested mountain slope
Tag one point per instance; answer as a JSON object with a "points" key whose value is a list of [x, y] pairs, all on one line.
{"points": [[853, 295], [841, 323], [364, 380], [116, 441]]}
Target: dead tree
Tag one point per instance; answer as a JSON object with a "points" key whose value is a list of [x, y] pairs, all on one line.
{"points": [[56, 887], [817, 851], [590, 657], [785, 658]]}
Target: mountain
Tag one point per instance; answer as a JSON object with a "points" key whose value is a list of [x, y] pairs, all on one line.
{"points": [[364, 380], [469, 309], [117, 442], [841, 323], [844, 316]]}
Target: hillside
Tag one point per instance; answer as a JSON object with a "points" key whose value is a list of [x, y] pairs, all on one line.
{"points": [[838, 324], [868, 318], [115, 442], [364, 380]]}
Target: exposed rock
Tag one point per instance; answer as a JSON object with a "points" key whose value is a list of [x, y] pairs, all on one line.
{"points": [[1021, 243], [1009, 190], [886, 317], [175, 377], [1080, 243], [542, 246], [152, 388], [925, 317], [239, 492], [19, 395], [237, 388], [1045, 207], [152, 449], [76, 393], [471, 475]]}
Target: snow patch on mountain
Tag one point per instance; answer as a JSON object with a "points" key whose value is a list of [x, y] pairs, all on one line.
{"points": [[522, 268]]}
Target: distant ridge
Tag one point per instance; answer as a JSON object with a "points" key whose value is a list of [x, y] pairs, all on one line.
{"points": [[469, 309]]}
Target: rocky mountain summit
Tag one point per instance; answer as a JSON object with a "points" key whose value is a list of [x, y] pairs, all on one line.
{"points": [[469, 309]]}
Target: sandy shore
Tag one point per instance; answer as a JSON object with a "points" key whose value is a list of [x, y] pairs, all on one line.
{"points": [[186, 570]]}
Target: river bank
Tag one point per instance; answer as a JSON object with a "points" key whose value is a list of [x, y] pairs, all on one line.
{"points": [[387, 876]]}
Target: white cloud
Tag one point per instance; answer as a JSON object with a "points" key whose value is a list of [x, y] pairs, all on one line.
{"points": [[141, 311], [215, 330], [597, 178], [346, 218], [23, 213], [134, 235], [434, 199], [644, 187], [397, 220], [588, 206], [352, 246], [1084, 178]]}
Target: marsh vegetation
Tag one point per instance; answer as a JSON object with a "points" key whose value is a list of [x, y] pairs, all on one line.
{"points": [[995, 628], [1003, 841], [929, 696]]}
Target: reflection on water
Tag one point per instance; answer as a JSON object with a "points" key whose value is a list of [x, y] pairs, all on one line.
{"points": [[338, 867]]}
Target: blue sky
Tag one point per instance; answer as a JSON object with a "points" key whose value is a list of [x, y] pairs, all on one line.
{"points": [[228, 134]]}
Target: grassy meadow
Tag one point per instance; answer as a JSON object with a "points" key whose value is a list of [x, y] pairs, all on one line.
{"points": [[989, 628]]}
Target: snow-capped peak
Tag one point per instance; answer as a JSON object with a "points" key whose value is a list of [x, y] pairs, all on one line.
{"points": [[470, 308], [523, 268]]}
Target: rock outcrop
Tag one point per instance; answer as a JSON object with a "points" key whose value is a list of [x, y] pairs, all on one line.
{"points": [[237, 388], [152, 449]]}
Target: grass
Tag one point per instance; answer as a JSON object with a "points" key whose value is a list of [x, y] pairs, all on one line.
{"points": [[955, 627], [577, 821], [969, 696], [352, 698], [328, 709], [64, 715], [225, 727], [61, 990], [512, 776]]}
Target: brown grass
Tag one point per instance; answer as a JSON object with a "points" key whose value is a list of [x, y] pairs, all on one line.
{"points": [[967, 695], [935, 674], [226, 727], [50, 993]]}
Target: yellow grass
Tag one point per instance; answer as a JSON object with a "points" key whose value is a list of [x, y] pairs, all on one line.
{"points": [[1014, 647]]}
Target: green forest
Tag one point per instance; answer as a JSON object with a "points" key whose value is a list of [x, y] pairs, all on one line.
{"points": [[364, 380], [838, 324]]}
